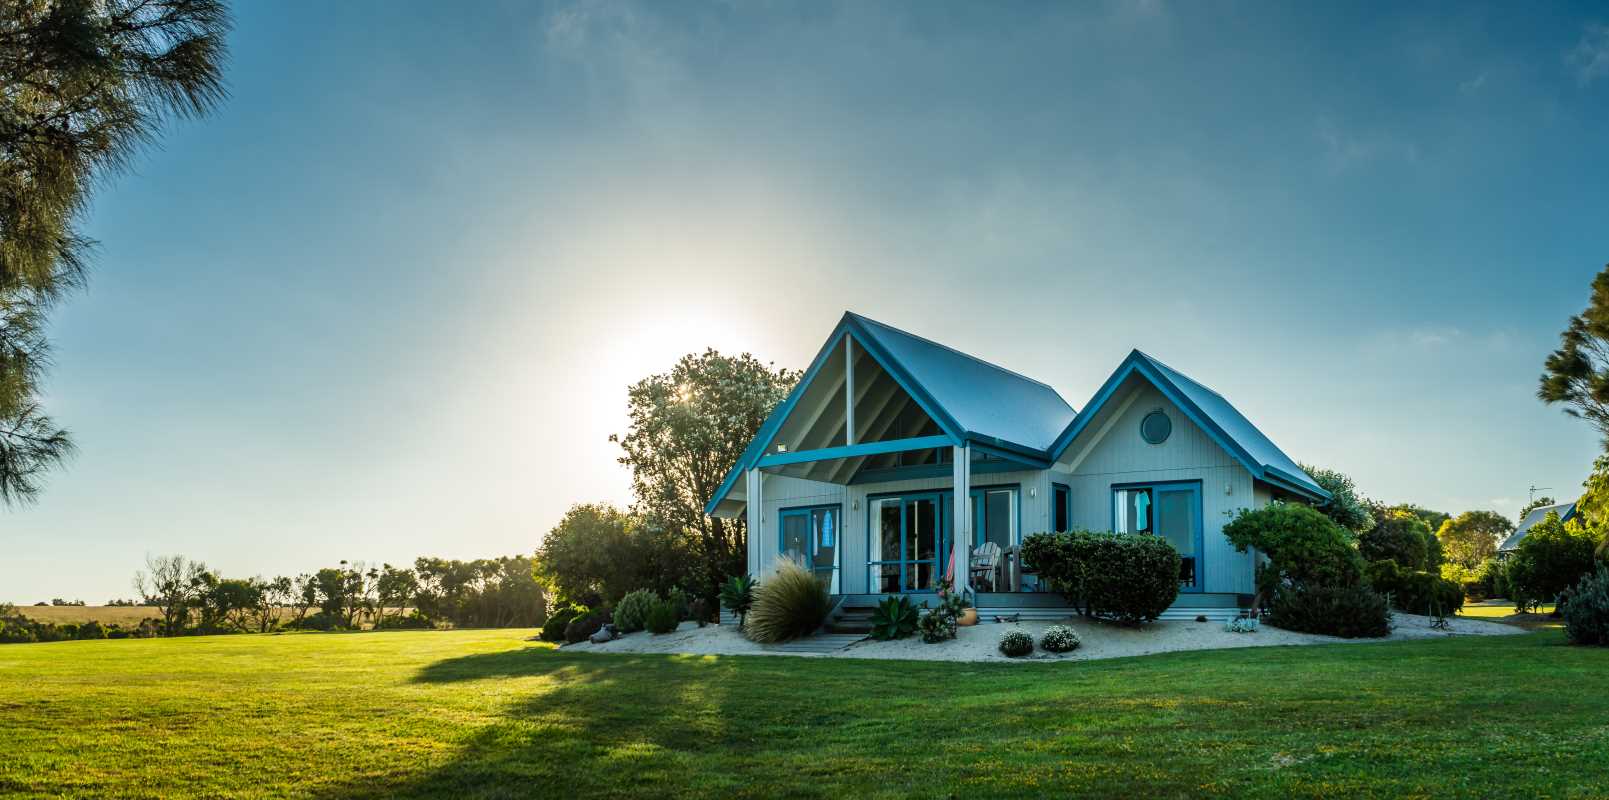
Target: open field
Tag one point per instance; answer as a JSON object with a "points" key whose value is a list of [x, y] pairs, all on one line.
{"points": [[106, 615], [482, 713]]}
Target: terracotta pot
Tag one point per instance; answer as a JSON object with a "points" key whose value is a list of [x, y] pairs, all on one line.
{"points": [[968, 617]]}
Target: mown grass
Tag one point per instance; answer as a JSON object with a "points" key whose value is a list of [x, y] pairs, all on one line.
{"points": [[470, 714]]}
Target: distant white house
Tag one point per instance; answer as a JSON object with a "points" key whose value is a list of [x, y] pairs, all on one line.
{"points": [[896, 459], [1566, 512]]}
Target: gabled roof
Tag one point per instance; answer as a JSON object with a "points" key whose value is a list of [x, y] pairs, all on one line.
{"points": [[1566, 512], [987, 402], [1209, 411], [968, 398]]}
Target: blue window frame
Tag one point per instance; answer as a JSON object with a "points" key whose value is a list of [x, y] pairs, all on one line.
{"points": [[1061, 507], [910, 535], [811, 533], [1170, 509]]}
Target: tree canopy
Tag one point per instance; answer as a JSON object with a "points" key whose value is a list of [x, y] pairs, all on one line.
{"points": [[1402, 537], [1577, 374], [688, 427], [1473, 536], [83, 83], [1346, 506]]}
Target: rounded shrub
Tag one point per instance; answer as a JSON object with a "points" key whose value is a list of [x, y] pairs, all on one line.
{"points": [[1586, 616], [1350, 612], [1015, 643], [793, 603], [1059, 639], [1304, 547], [553, 628], [1401, 537], [1128, 579], [661, 618], [631, 613]]}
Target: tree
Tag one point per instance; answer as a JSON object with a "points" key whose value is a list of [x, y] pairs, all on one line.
{"points": [[1346, 506], [277, 593], [1533, 505], [1551, 558], [82, 86], [688, 427], [1577, 374], [1404, 538], [597, 553], [1305, 548], [172, 584], [394, 586], [1472, 537]]}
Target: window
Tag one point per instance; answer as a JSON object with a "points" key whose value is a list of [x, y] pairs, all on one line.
{"points": [[811, 535], [905, 547], [1061, 507], [1169, 510], [994, 516], [1156, 427]]}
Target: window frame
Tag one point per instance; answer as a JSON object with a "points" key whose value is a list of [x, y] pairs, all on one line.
{"points": [[1061, 503]]}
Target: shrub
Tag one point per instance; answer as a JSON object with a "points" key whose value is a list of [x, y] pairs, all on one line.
{"points": [[737, 596], [1350, 612], [1552, 557], [699, 610], [1015, 643], [92, 630], [1401, 537], [632, 611], [661, 618], [12, 631], [1304, 547], [1415, 591], [414, 620], [940, 623], [1127, 579], [1059, 639], [582, 627], [553, 629], [792, 604], [894, 618], [679, 603], [1241, 625], [1586, 617]]}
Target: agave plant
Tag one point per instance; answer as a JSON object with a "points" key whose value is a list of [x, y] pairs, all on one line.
{"points": [[895, 618], [737, 595]]}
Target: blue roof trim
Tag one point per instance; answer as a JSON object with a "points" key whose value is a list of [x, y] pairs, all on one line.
{"points": [[1208, 410]]}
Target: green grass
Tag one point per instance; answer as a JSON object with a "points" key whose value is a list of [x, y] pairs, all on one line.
{"points": [[484, 714]]}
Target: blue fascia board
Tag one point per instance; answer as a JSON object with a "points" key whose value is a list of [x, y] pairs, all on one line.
{"points": [[1024, 456], [773, 423], [901, 376], [1137, 363], [855, 450]]}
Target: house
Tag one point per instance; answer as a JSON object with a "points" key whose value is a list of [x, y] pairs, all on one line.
{"points": [[896, 457], [1566, 512]]}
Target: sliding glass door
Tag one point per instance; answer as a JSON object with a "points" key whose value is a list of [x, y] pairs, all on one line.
{"points": [[906, 544], [1171, 511]]}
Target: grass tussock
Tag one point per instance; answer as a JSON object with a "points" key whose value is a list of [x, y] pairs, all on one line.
{"points": [[791, 604]]}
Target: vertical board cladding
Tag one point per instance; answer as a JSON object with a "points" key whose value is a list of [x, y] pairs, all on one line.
{"points": [[1188, 454]]}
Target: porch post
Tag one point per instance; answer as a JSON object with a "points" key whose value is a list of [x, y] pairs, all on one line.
{"points": [[756, 518], [963, 519]]}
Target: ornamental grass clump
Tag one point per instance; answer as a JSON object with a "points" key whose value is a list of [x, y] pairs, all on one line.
{"points": [[1059, 639], [1016, 643], [793, 603]]}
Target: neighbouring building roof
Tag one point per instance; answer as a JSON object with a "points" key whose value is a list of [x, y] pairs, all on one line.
{"points": [[1566, 512]]}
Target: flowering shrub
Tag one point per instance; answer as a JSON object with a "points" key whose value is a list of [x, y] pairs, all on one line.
{"points": [[1059, 639], [1015, 643], [1241, 625]]}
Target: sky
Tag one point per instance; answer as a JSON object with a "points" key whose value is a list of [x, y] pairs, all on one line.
{"points": [[386, 302]]}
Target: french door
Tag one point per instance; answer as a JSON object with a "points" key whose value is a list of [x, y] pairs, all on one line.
{"points": [[811, 536], [906, 551]]}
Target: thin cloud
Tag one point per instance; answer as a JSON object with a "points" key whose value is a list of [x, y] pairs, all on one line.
{"points": [[1591, 55], [1474, 84]]}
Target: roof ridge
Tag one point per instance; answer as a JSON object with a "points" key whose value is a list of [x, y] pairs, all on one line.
{"points": [[1181, 373], [1013, 373]]}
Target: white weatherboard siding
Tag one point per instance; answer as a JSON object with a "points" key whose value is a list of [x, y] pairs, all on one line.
{"points": [[1122, 456]]}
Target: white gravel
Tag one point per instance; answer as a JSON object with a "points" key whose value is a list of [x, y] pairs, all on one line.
{"points": [[977, 643]]}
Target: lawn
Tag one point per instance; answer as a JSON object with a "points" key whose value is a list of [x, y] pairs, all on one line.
{"points": [[485, 714]]}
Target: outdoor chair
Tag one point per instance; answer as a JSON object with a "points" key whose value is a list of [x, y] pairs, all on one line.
{"points": [[985, 566]]}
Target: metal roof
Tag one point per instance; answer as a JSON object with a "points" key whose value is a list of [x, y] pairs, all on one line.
{"points": [[1565, 511]]}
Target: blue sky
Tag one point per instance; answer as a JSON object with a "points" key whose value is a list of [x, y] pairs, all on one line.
{"points": [[386, 302]]}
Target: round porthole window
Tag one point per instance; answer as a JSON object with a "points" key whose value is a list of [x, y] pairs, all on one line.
{"points": [[1155, 427]]}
